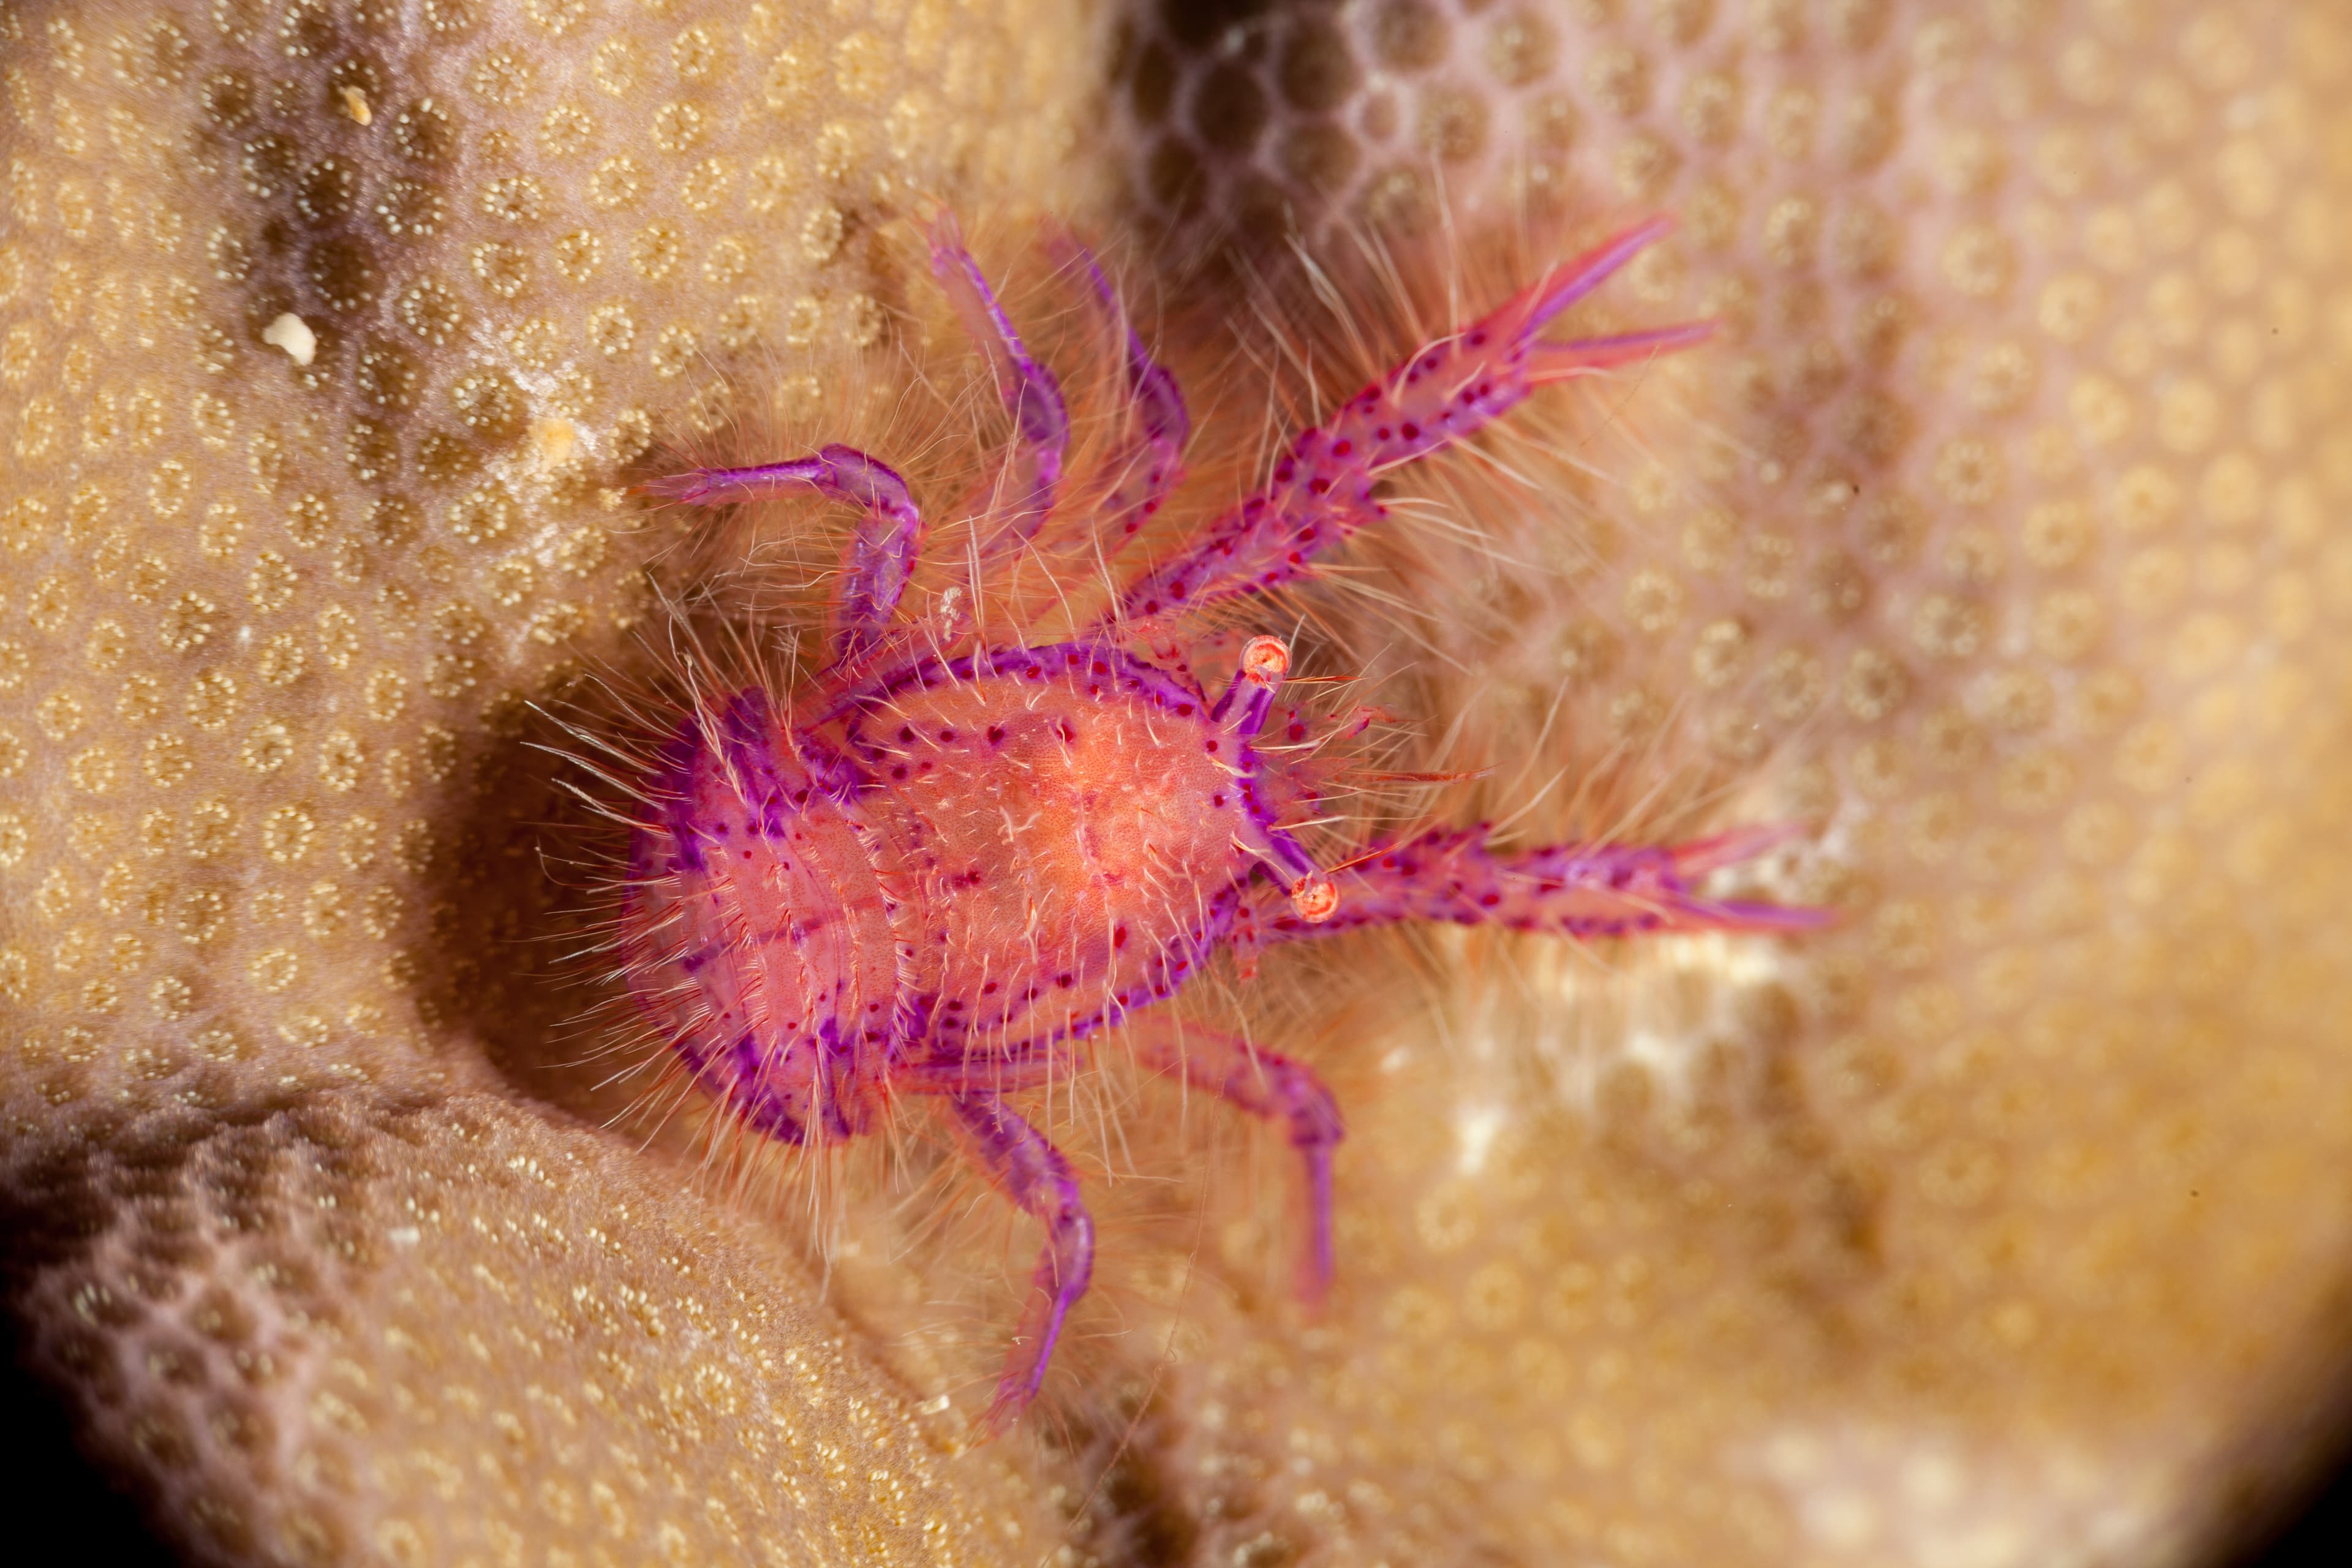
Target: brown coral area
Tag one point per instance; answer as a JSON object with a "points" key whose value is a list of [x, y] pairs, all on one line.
{"points": [[1995, 540], [326, 332]]}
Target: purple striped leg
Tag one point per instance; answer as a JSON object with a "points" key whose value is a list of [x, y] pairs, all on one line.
{"points": [[1149, 467], [1583, 890], [1322, 486], [1034, 1174], [881, 555], [1274, 1087], [1024, 490]]}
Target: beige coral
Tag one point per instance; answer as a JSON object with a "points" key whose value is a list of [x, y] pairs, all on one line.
{"points": [[327, 330], [1996, 540], [2003, 544]]}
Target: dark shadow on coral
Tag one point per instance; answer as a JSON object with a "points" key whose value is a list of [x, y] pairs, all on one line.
{"points": [[45, 1477], [2310, 1532]]}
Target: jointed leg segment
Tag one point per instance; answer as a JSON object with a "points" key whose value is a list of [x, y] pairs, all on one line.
{"points": [[1583, 890], [1273, 1086], [1032, 1173], [1024, 491], [881, 555], [1149, 466], [1322, 486]]}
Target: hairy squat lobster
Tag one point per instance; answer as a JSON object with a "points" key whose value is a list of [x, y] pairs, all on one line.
{"points": [[952, 859]]}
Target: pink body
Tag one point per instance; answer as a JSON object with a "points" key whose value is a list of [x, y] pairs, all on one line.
{"points": [[957, 860], [1074, 826]]}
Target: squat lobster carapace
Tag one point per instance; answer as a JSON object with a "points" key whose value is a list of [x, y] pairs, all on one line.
{"points": [[947, 861]]}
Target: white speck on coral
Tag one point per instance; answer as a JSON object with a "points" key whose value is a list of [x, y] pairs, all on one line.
{"points": [[1478, 1126], [292, 334]]}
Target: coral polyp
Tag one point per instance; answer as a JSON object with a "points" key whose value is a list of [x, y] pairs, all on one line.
{"points": [[949, 860]]}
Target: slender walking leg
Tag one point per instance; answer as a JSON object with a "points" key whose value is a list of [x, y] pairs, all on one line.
{"points": [[1025, 487], [1148, 468], [1266, 1085], [1034, 1174], [881, 553]]}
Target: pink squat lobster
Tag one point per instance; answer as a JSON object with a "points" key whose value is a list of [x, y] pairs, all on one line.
{"points": [[957, 860]]}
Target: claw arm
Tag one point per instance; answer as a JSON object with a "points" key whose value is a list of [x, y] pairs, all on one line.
{"points": [[1321, 489], [1583, 890]]}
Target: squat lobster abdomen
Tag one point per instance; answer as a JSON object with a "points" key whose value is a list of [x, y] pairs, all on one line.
{"points": [[967, 857], [759, 934]]}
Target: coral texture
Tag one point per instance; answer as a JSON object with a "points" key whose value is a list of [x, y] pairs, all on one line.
{"points": [[1996, 541], [2002, 542], [325, 330]]}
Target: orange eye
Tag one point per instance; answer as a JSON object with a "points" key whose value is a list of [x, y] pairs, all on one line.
{"points": [[1317, 899], [1266, 659]]}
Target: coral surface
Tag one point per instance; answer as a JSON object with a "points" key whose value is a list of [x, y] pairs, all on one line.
{"points": [[1998, 541], [327, 330], [2003, 542]]}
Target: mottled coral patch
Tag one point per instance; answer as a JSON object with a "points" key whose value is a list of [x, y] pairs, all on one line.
{"points": [[2000, 544], [327, 336]]}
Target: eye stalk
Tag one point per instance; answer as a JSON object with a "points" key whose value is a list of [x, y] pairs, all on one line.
{"points": [[1245, 703]]}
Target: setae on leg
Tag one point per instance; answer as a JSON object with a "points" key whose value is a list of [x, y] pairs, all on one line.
{"points": [[881, 555], [1024, 488], [1582, 891], [1034, 1174], [1149, 467], [1322, 486], [1266, 1085]]}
